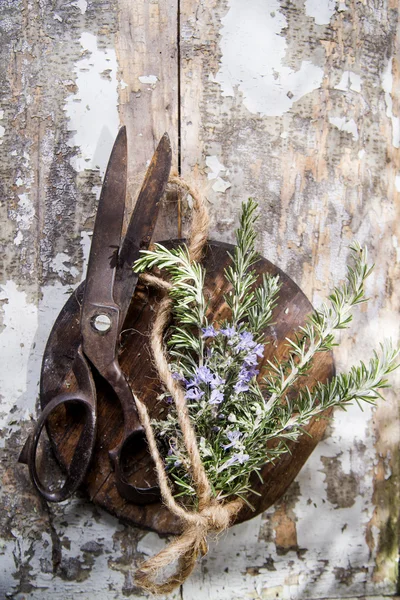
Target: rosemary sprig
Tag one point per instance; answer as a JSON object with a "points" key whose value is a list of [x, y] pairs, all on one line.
{"points": [[361, 383], [190, 306], [235, 415], [239, 274], [318, 333]]}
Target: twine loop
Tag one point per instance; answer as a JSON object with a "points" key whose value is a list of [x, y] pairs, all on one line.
{"points": [[212, 516], [216, 517]]}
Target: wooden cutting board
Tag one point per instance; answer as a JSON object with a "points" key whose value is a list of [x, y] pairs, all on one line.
{"points": [[136, 362]]}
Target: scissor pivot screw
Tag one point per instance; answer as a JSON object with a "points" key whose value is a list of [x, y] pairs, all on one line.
{"points": [[102, 323]]}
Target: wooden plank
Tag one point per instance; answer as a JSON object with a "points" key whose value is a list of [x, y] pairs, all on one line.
{"points": [[296, 105], [136, 363], [70, 72], [148, 60], [324, 169]]}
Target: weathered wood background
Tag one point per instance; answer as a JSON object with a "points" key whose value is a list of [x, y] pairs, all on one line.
{"points": [[295, 103]]}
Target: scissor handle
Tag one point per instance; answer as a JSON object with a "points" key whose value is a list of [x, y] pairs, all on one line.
{"points": [[82, 453], [85, 397], [133, 441]]}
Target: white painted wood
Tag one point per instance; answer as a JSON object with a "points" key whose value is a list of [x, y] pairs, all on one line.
{"points": [[295, 104], [295, 109]]}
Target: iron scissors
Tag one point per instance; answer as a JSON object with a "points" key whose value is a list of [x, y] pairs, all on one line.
{"points": [[109, 287]]}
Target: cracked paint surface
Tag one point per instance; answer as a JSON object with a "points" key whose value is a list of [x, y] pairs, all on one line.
{"points": [[253, 59], [295, 104], [96, 95]]}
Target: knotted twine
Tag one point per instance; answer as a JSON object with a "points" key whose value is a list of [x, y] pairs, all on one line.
{"points": [[212, 515]]}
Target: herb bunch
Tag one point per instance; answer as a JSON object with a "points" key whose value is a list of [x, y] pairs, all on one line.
{"points": [[243, 418]]}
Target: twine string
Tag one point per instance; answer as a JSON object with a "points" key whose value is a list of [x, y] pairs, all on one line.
{"points": [[212, 515]]}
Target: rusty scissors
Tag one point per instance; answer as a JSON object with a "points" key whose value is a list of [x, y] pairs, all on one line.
{"points": [[109, 287]]}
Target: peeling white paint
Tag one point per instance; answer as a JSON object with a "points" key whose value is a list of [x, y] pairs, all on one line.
{"points": [[226, 579], [221, 185], [96, 189], [101, 531], [347, 525], [318, 521], [93, 109], [16, 339], [253, 53], [349, 81], [22, 343], [347, 125], [151, 543], [26, 211], [149, 79], [81, 4], [216, 167], [387, 85], [397, 182], [86, 241], [320, 10], [18, 238], [337, 256], [60, 265]]}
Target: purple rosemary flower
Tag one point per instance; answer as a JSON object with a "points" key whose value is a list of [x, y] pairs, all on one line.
{"points": [[216, 381], [239, 457], [244, 377], [203, 375], [250, 360], [209, 331], [247, 374], [259, 350], [233, 437], [194, 394], [246, 341], [241, 386], [216, 397], [228, 331]]}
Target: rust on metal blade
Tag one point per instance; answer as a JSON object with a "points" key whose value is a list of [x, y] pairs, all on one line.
{"points": [[106, 238], [142, 223]]}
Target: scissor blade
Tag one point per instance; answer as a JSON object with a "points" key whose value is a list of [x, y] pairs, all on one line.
{"points": [[142, 223], [106, 238], [24, 454]]}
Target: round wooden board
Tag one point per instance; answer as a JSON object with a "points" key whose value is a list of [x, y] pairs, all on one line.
{"points": [[136, 362]]}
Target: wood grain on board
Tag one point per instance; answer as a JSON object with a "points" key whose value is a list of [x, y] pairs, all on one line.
{"points": [[147, 49], [137, 362]]}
